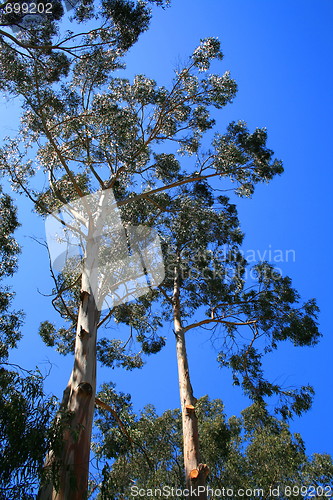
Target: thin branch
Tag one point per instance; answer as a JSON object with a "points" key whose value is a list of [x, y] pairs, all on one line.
{"points": [[157, 205], [61, 291], [169, 299], [123, 429], [109, 314], [219, 320], [40, 114], [165, 188], [58, 46], [107, 407]]}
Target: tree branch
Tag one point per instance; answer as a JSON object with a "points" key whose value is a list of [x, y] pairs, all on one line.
{"points": [[219, 320]]}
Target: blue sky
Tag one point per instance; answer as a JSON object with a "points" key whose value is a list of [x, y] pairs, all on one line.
{"points": [[280, 54]]}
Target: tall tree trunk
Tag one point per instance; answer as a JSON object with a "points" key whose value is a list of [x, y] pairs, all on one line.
{"points": [[70, 466], [195, 472]]}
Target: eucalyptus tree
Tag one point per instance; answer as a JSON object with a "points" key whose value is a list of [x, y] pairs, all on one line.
{"points": [[32, 63], [255, 452], [86, 131], [205, 287]]}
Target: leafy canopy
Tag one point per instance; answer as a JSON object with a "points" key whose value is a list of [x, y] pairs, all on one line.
{"points": [[255, 451]]}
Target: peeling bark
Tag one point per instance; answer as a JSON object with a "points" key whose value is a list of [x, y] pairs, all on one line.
{"points": [[70, 467], [195, 472]]}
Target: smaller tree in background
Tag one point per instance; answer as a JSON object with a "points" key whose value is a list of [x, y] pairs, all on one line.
{"points": [[254, 452]]}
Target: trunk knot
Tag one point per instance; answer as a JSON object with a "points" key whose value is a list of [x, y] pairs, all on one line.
{"points": [[83, 295], [83, 332], [85, 388]]}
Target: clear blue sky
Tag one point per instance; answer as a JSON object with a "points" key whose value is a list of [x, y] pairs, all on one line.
{"points": [[280, 53]]}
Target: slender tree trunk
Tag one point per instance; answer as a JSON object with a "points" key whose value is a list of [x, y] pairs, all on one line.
{"points": [[70, 465], [195, 472]]}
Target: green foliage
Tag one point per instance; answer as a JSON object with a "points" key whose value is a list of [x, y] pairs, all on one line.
{"points": [[61, 191], [47, 331], [8, 245], [256, 451], [25, 413], [25, 417], [129, 20], [245, 158], [113, 352], [10, 321], [150, 448], [97, 131], [271, 310]]}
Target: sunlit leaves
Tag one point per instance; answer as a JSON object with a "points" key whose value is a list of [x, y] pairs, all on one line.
{"points": [[245, 158], [208, 49]]}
